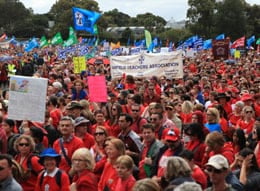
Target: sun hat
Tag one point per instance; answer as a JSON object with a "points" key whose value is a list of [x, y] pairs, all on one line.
{"points": [[49, 152]]}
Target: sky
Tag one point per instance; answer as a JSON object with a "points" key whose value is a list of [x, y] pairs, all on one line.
{"points": [[168, 9]]}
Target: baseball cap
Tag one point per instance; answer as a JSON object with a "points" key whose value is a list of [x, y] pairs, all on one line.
{"points": [[218, 162], [172, 135]]}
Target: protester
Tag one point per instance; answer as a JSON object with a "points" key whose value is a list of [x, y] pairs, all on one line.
{"points": [[68, 143], [217, 169], [124, 168], [25, 146], [52, 178], [146, 184], [7, 182], [83, 164]]}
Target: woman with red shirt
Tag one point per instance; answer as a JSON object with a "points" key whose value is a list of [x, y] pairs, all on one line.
{"points": [[25, 146], [114, 129], [82, 165], [194, 136], [115, 148], [246, 123]]}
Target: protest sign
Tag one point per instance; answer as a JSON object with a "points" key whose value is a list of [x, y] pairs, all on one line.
{"points": [[27, 98], [148, 64], [237, 54], [79, 64], [220, 49], [97, 89]]}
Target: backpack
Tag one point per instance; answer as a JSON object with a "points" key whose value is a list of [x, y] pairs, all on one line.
{"points": [[57, 178]]}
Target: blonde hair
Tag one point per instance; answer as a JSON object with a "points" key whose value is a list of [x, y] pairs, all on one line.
{"points": [[85, 154], [177, 167], [146, 184], [118, 144], [215, 113], [28, 138], [187, 107], [125, 161]]}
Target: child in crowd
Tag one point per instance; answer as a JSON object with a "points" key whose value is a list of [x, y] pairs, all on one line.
{"points": [[124, 168]]}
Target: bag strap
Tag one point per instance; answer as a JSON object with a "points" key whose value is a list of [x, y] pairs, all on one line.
{"points": [[57, 178], [64, 152]]}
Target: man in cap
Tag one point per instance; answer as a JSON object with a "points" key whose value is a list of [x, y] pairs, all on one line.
{"points": [[74, 109], [81, 126], [173, 147], [218, 168]]}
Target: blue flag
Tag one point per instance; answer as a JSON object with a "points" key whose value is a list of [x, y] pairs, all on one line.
{"points": [[190, 41], [220, 37], [84, 20], [207, 44], [31, 45], [250, 40]]}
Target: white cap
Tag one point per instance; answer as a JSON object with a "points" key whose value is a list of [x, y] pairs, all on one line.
{"points": [[218, 162]]}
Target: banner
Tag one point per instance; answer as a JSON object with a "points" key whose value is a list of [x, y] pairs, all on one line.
{"points": [[84, 20], [27, 98], [79, 64], [57, 39], [148, 64], [97, 89], [220, 49]]}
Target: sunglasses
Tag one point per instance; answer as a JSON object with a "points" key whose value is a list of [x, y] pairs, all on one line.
{"points": [[153, 119], [99, 133], [24, 144], [249, 111], [168, 108], [1, 168], [135, 110], [213, 170]]}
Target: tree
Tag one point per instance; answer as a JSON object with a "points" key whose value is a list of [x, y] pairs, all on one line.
{"points": [[117, 18], [201, 17], [253, 19], [231, 18], [13, 14]]}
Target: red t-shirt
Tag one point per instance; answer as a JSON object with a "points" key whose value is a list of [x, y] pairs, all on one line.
{"points": [[52, 182], [199, 176], [163, 162], [125, 185], [74, 144], [247, 127], [88, 140], [87, 180], [108, 178], [198, 148]]}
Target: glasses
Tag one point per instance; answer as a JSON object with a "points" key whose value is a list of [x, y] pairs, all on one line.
{"points": [[213, 170], [171, 92], [135, 110], [249, 111], [24, 144], [168, 108], [99, 133], [210, 114], [150, 89], [1, 168], [153, 119], [78, 160]]}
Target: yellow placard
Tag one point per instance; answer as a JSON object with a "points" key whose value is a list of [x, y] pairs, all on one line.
{"points": [[79, 64], [237, 54]]}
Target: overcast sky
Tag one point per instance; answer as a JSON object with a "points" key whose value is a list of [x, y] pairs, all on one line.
{"points": [[167, 9]]}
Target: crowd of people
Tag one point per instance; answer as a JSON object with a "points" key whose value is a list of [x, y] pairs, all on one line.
{"points": [[200, 132]]}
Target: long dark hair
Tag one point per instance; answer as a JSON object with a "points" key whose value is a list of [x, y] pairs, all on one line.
{"points": [[241, 138]]}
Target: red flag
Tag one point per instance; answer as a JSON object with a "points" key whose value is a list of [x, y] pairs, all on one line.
{"points": [[239, 42], [3, 37]]}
